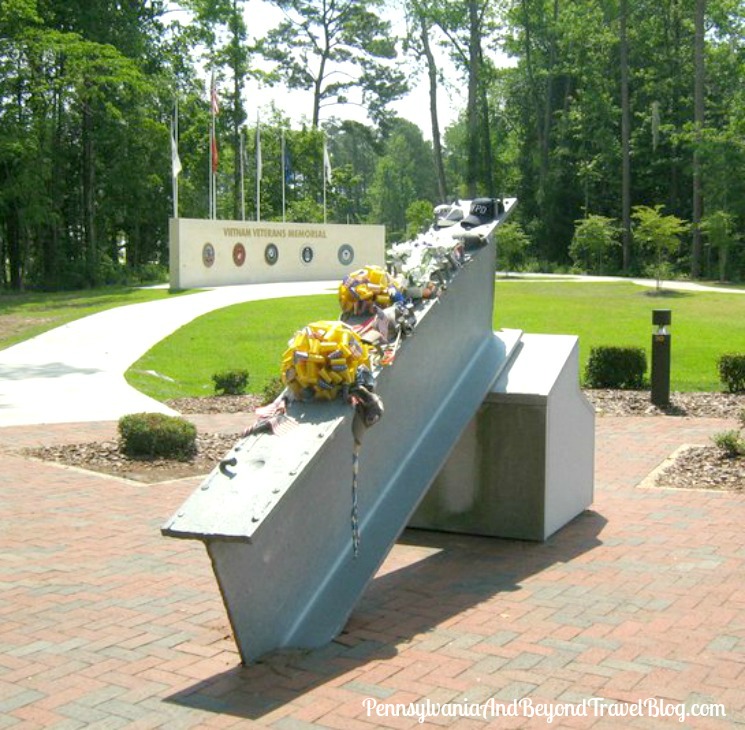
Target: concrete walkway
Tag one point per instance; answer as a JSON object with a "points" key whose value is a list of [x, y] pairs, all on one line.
{"points": [[671, 285], [76, 372]]}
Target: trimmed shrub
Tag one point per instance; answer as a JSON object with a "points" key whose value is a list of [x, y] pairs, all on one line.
{"points": [[156, 434], [272, 390], [230, 382], [730, 442], [616, 367], [732, 372]]}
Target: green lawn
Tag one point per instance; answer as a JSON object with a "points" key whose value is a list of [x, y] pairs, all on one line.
{"points": [[704, 325], [254, 335], [250, 336], [28, 314]]}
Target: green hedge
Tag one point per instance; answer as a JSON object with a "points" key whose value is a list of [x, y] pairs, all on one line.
{"points": [[616, 367], [732, 372], [156, 434], [230, 382]]}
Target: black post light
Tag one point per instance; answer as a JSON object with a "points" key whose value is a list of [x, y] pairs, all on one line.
{"points": [[661, 318]]}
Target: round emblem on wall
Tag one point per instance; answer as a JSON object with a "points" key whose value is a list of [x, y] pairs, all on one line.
{"points": [[271, 254], [306, 254], [239, 254], [208, 254], [345, 254]]}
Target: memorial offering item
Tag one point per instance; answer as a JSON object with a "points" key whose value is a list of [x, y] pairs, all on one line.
{"points": [[322, 358], [372, 286]]}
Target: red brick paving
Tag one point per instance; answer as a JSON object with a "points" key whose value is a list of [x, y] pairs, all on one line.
{"points": [[104, 623]]}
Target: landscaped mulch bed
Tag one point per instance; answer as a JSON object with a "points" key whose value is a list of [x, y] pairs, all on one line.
{"points": [[701, 467], [693, 405]]}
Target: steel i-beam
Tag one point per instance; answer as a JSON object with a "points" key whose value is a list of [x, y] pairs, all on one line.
{"points": [[275, 518]]}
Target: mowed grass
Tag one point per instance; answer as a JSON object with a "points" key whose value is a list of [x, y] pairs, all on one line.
{"points": [[27, 314], [250, 336], [705, 325], [254, 335]]}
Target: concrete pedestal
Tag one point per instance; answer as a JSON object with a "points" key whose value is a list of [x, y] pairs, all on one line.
{"points": [[524, 466]]}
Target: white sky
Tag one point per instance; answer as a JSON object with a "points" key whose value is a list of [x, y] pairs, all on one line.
{"points": [[262, 15]]}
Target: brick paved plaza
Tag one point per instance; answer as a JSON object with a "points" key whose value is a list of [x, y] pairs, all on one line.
{"points": [[104, 623]]}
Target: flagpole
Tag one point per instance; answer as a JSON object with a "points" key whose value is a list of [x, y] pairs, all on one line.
{"points": [[174, 176], [258, 168], [212, 169], [175, 137], [284, 174], [243, 183], [213, 155], [209, 172], [175, 161], [324, 178], [326, 175]]}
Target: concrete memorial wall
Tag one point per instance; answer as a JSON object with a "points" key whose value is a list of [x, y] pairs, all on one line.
{"points": [[206, 253]]}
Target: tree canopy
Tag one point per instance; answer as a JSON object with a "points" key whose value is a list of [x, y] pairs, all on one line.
{"points": [[609, 111]]}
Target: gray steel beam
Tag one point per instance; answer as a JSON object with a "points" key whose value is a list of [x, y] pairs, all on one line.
{"points": [[276, 524]]}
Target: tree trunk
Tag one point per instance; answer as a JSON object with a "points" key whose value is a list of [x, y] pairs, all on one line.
{"points": [[89, 233], [52, 256], [3, 256], [698, 113], [548, 106], [237, 156], [318, 81], [674, 44], [317, 96], [487, 158], [625, 139], [15, 250], [238, 113], [529, 67], [542, 98], [723, 256], [134, 245], [436, 140], [472, 109]]}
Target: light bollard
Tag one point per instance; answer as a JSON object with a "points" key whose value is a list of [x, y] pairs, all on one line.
{"points": [[661, 318]]}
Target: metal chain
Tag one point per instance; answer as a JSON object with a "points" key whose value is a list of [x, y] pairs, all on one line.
{"points": [[368, 409], [355, 514]]}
